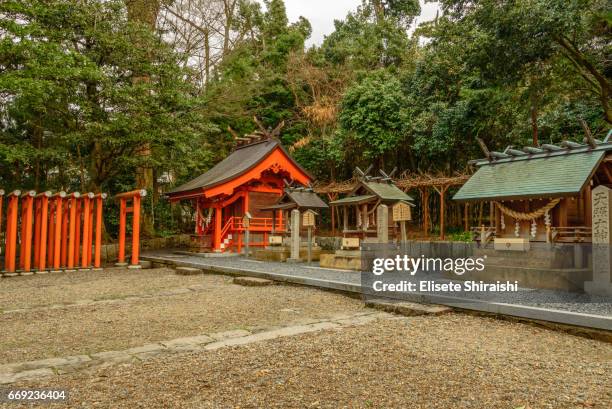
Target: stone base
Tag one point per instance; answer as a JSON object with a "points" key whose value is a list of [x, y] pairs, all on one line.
{"points": [[42, 272], [10, 274], [55, 271], [251, 281], [565, 279], [343, 260], [595, 288], [69, 270], [26, 273], [283, 253], [121, 264], [188, 271], [97, 269], [134, 267]]}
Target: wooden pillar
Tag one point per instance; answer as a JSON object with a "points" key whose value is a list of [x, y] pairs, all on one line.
{"points": [[122, 222], [99, 203], [57, 233], [563, 212], [346, 217], [27, 221], [588, 198], [425, 208], [36, 228], [65, 232], [42, 232], [466, 217], [77, 232], [218, 227], [135, 231], [86, 208], [442, 192], [10, 244], [91, 232], [74, 199]]}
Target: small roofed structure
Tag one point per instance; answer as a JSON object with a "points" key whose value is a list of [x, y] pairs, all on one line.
{"points": [[301, 198], [540, 193], [250, 178], [359, 206]]}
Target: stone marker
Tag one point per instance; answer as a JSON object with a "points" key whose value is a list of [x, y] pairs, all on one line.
{"points": [[295, 236], [251, 281], [602, 232], [408, 309], [188, 271], [382, 223]]}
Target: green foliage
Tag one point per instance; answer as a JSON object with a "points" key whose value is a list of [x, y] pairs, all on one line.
{"points": [[371, 116], [84, 91]]}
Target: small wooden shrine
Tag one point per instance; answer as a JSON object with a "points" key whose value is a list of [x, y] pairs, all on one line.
{"points": [[249, 179], [539, 194], [359, 206], [300, 198]]}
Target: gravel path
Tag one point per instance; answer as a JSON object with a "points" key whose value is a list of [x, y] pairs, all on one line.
{"points": [[219, 305], [556, 300], [451, 361], [112, 283]]}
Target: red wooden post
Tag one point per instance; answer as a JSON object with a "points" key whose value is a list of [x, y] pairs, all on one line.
{"points": [[99, 199], [136, 231], [218, 227], [57, 232], [122, 217], [51, 234], [91, 231], [77, 231], [65, 232], [37, 225], [10, 248], [43, 199], [86, 208], [74, 200], [27, 221], [135, 196]]}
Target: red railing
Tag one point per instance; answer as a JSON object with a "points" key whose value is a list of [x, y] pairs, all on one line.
{"points": [[256, 225]]}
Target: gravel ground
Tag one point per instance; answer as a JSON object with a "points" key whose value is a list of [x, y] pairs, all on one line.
{"points": [[452, 361], [60, 288], [219, 306], [557, 300]]}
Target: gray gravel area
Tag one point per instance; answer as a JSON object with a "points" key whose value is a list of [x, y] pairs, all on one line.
{"points": [[451, 361]]}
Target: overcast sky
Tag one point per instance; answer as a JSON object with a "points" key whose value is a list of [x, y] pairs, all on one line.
{"points": [[322, 13]]}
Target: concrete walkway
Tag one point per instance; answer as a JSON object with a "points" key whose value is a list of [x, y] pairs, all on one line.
{"points": [[529, 304]]}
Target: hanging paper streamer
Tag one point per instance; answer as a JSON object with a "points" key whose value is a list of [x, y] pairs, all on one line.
{"points": [[534, 228], [502, 222], [517, 228], [547, 219]]}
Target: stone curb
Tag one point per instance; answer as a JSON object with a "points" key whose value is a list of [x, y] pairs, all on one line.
{"points": [[13, 372]]}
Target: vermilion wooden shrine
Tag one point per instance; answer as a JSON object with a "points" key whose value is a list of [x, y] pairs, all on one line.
{"points": [[249, 179]]}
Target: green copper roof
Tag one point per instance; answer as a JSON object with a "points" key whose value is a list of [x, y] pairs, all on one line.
{"points": [[544, 176], [353, 200], [386, 191]]}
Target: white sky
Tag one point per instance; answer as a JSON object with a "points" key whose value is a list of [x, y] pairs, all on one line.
{"points": [[322, 13]]}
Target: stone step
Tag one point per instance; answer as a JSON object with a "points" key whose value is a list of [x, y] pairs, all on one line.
{"points": [[252, 281], [409, 309], [188, 271]]}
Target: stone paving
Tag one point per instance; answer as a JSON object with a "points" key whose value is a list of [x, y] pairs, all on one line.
{"points": [[29, 370]]}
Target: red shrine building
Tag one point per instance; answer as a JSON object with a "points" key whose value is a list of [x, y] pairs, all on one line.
{"points": [[250, 179]]}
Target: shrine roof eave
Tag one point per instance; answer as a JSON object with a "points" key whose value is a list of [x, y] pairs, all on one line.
{"points": [[237, 164], [549, 177]]}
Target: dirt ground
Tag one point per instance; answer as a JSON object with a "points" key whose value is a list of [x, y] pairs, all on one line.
{"points": [[451, 361]]}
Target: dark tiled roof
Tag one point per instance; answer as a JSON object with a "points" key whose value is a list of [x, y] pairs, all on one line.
{"points": [[237, 163], [306, 199]]}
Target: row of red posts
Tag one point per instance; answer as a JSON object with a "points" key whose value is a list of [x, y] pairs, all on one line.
{"points": [[46, 231]]}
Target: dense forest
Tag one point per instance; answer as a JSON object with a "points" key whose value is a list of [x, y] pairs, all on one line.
{"points": [[116, 94]]}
